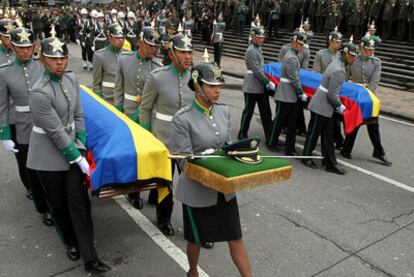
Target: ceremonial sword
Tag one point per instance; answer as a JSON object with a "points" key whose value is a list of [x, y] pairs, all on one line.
{"points": [[190, 156]]}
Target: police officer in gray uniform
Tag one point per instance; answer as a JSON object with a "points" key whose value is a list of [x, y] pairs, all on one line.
{"points": [[6, 52], [57, 139], [105, 62], [132, 72], [255, 85], [7, 56], [289, 95], [208, 216], [16, 82], [366, 70], [323, 104], [325, 56], [165, 92], [217, 38]]}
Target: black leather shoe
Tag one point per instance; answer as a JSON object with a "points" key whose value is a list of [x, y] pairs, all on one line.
{"points": [[73, 253], [383, 159], [167, 229], [85, 67], [335, 169], [272, 148], [47, 219], [309, 163], [346, 155], [96, 267], [339, 146], [136, 202], [207, 245], [29, 195]]}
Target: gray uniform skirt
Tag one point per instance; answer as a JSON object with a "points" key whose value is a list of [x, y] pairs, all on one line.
{"points": [[217, 223]]}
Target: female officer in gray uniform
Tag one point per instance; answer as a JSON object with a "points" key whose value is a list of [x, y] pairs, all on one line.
{"points": [[209, 216], [56, 141]]}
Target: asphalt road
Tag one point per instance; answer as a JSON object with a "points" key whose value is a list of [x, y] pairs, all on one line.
{"points": [[315, 224]]}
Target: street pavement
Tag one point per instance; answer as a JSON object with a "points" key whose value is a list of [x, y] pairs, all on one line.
{"points": [[315, 224]]}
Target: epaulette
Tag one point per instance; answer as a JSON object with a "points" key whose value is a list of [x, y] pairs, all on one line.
{"points": [[127, 53], [157, 63], [184, 109], [376, 59], [44, 81], [6, 64], [163, 68], [101, 50]]}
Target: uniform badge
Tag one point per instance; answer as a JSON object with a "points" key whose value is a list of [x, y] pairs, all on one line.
{"points": [[118, 29], [216, 71], [57, 45], [155, 35], [187, 41], [9, 27], [24, 36], [253, 144]]}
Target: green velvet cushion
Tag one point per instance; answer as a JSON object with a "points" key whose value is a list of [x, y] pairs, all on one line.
{"points": [[229, 167]]}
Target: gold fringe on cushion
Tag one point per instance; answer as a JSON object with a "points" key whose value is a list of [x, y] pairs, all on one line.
{"points": [[225, 185]]}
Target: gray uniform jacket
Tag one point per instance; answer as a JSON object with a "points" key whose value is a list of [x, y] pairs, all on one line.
{"points": [[194, 131], [366, 72], [254, 81], [322, 59], [104, 68], [57, 120], [326, 98], [289, 87], [131, 75], [218, 31], [303, 56], [16, 82], [165, 93], [7, 56]]}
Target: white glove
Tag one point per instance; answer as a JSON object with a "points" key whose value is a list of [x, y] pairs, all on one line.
{"points": [[93, 49], [78, 41], [271, 86], [84, 166], [303, 97], [9, 145], [208, 151], [83, 44], [341, 109]]}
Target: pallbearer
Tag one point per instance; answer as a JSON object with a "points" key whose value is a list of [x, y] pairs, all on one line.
{"points": [[366, 70], [57, 140], [105, 61], [16, 81], [208, 216], [323, 105], [131, 74]]}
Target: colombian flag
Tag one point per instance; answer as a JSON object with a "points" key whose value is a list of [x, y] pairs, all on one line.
{"points": [[361, 103], [123, 152]]}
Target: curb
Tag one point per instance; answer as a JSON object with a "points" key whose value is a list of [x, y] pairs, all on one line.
{"points": [[383, 111]]}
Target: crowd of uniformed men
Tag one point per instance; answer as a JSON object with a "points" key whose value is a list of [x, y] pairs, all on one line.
{"points": [[41, 118]]}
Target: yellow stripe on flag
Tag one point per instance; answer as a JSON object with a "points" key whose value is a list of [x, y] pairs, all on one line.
{"points": [[152, 155], [376, 103]]}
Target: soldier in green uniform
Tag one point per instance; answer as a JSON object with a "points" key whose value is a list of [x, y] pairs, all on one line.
{"points": [[131, 74], [375, 10], [288, 97], [324, 103], [410, 20], [105, 61], [165, 92], [401, 15], [320, 14], [354, 18], [16, 81], [366, 70], [387, 18], [255, 86], [291, 11], [333, 19], [57, 139]]}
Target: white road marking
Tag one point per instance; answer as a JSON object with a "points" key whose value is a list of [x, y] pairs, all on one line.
{"points": [[368, 172], [155, 234], [396, 120]]}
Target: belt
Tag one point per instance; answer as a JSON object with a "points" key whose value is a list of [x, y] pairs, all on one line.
{"points": [[284, 80], [163, 117], [324, 89], [41, 131], [22, 109], [108, 84], [135, 98]]}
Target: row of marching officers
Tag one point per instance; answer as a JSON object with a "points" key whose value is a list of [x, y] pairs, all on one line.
{"points": [[47, 134], [336, 63]]}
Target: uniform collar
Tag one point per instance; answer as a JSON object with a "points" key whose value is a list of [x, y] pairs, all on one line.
{"points": [[52, 76], [4, 50], [113, 49], [19, 62], [294, 50], [176, 72], [141, 59], [330, 51], [362, 58], [199, 107], [255, 45]]}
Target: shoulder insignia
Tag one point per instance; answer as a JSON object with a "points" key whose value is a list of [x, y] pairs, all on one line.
{"points": [[6, 64], [185, 109], [376, 59], [162, 68], [157, 63]]}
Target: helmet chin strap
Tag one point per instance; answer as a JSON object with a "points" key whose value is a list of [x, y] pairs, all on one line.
{"points": [[176, 59], [202, 94]]}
